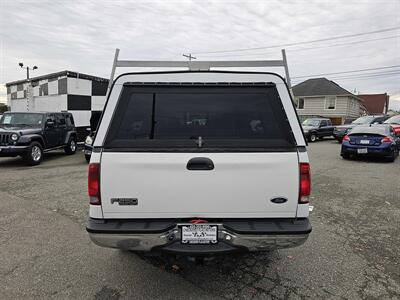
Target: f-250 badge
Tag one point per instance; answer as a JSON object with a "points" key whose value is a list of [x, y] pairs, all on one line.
{"points": [[125, 201]]}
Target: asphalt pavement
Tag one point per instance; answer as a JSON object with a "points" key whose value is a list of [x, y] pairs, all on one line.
{"points": [[352, 253]]}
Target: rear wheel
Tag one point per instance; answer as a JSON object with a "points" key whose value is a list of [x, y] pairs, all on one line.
{"points": [[313, 137], [34, 155], [71, 146], [346, 156], [392, 156]]}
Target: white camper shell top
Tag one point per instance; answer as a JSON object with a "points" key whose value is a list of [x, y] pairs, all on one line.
{"points": [[200, 77]]}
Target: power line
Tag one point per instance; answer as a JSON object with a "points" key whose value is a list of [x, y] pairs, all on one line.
{"points": [[310, 48], [300, 43], [365, 76], [369, 76], [394, 72], [348, 43], [345, 72]]}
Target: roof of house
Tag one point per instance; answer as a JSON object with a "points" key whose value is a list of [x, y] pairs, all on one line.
{"points": [[319, 87], [375, 103], [59, 74]]}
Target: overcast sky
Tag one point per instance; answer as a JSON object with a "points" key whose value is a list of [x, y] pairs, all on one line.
{"points": [[82, 35]]}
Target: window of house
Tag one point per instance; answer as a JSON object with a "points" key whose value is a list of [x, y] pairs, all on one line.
{"points": [[300, 103], [330, 102], [43, 90], [353, 104]]}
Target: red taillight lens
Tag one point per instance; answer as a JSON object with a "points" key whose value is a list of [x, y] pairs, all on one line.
{"points": [[305, 183], [387, 139], [94, 184], [346, 138]]}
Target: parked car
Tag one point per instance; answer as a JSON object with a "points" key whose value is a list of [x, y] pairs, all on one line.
{"points": [[88, 146], [340, 131], [317, 128], [372, 140], [395, 123], [30, 134], [216, 165]]}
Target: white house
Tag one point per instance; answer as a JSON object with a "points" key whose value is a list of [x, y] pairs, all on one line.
{"points": [[320, 97]]}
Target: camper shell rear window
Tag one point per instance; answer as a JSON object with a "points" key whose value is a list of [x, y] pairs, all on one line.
{"points": [[199, 117]]}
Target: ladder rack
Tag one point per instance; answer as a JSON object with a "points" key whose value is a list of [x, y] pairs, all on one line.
{"points": [[199, 65]]}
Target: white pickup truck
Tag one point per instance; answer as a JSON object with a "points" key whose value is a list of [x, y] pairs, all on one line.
{"points": [[199, 163]]}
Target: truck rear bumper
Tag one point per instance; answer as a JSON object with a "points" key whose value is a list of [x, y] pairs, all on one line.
{"points": [[234, 235]]}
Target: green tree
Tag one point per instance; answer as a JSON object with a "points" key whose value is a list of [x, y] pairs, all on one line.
{"points": [[3, 108]]}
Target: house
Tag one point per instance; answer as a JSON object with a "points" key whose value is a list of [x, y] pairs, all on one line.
{"points": [[376, 104], [80, 94], [321, 97]]}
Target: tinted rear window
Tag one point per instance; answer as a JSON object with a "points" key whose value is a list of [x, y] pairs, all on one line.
{"points": [[221, 117], [379, 130]]}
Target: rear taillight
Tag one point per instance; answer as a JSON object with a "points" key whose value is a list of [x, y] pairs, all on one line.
{"points": [[305, 183], [346, 138], [387, 139], [94, 184]]}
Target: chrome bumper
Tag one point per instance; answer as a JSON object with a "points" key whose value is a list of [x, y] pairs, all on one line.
{"points": [[147, 242]]}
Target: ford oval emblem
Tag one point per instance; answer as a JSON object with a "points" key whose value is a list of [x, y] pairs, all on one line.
{"points": [[279, 200]]}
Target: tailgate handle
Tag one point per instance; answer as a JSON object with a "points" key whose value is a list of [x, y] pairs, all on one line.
{"points": [[200, 164]]}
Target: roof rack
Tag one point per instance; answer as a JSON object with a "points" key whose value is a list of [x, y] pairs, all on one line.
{"points": [[199, 65]]}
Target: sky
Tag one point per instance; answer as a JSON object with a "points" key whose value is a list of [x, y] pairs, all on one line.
{"points": [[82, 36]]}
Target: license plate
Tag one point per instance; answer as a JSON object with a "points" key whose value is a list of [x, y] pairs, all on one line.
{"points": [[199, 234], [362, 151], [364, 142]]}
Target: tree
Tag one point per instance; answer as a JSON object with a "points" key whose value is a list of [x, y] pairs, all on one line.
{"points": [[3, 108]]}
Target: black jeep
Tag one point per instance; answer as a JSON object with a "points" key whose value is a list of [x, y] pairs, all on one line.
{"points": [[29, 134]]}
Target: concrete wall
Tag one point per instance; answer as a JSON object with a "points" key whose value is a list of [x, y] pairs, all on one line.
{"points": [[18, 105], [49, 103]]}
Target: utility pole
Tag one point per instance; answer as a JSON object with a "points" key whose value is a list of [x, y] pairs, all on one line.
{"points": [[27, 69], [189, 56]]}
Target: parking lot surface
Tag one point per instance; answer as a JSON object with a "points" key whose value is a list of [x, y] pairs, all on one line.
{"points": [[352, 253]]}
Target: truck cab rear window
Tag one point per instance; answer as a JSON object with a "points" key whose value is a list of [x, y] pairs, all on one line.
{"points": [[218, 117]]}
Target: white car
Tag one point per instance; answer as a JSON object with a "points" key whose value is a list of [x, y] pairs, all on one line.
{"points": [[199, 163]]}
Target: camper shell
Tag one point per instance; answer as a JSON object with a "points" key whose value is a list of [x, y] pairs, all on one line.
{"points": [[199, 162]]}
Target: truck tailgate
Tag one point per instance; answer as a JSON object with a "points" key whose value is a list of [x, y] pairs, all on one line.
{"points": [[241, 185]]}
